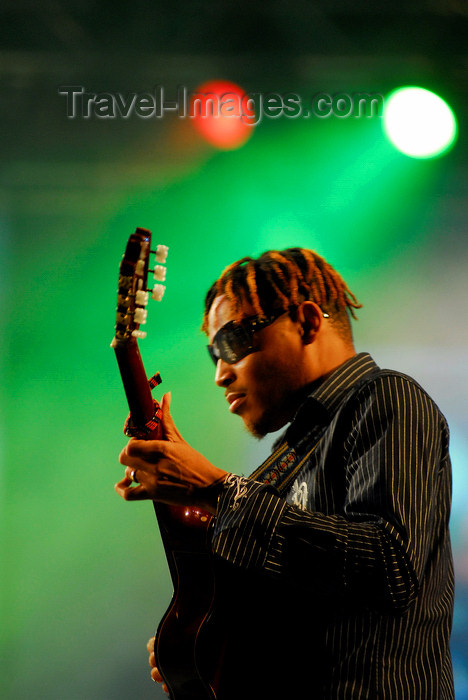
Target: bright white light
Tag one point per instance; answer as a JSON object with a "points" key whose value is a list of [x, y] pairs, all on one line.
{"points": [[418, 122]]}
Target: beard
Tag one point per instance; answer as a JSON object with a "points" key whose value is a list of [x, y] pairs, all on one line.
{"points": [[274, 416], [258, 429]]}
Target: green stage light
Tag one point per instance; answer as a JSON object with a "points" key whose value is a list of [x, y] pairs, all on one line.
{"points": [[419, 123]]}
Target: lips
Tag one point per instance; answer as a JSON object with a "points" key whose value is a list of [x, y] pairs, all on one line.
{"points": [[235, 400]]}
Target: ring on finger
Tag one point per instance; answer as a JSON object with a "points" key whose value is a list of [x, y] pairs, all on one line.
{"points": [[133, 477]]}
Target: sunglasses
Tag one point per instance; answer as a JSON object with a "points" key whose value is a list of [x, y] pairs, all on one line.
{"points": [[235, 339]]}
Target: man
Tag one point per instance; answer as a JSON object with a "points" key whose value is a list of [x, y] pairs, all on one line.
{"points": [[338, 578]]}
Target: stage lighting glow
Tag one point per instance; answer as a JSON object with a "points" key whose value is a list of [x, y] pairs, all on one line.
{"points": [[419, 123], [222, 113]]}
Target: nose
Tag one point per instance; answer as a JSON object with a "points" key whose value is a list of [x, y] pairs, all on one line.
{"points": [[225, 374]]}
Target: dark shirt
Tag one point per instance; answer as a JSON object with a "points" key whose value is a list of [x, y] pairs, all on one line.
{"points": [[337, 550]]}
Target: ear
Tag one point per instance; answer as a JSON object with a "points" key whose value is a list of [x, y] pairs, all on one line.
{"points": [[309, 316]]}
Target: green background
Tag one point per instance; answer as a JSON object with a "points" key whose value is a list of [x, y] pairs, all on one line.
{"points": [[83, 576]]}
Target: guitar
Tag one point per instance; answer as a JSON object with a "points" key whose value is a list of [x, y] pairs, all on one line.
{"points": [[184, 659]]}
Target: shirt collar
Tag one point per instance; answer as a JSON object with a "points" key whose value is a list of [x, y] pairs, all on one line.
{"points": [[327, 394], [331, 390]]}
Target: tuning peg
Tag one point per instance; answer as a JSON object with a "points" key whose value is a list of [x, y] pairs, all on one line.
{"points": [[159, 273], [140, 315], [141, 297], [158, 292], [161, 253], [139, 334]]}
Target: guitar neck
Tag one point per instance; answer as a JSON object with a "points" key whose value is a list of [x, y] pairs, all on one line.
{"points": [[135, 381], [184, 530]]}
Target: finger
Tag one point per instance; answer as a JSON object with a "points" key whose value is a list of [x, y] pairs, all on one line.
{"points": [[150, 645], [128, 493], [134, 475], [142, 449], [155, 675], [132, 452], [137, 452], [169, 426], [123, 483], [145, 458]]}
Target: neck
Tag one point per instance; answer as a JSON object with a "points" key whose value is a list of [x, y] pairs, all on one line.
{"points": [[332, 363], [319, 376], [324, 357]]}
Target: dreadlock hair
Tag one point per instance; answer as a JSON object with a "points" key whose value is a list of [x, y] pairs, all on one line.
{"points": [[283, 279]]}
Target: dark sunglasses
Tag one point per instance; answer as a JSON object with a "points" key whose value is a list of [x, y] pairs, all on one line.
{"points": [[235, 339]]}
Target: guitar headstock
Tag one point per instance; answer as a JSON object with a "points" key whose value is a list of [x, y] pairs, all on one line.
{"points": [[133, 292]]}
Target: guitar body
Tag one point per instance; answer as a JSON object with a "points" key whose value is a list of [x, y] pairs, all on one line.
{"points": [[184, 656]]}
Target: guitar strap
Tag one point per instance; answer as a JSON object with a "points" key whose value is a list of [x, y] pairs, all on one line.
{"points": [[281, 467]]}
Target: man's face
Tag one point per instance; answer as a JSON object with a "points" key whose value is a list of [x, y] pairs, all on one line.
{"points": [[263, 388]]}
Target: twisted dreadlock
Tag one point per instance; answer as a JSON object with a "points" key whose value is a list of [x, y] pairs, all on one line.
{"points": [[283, 279]]}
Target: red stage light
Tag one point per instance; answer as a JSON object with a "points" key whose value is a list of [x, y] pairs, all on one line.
{"points": [[222, 113]]}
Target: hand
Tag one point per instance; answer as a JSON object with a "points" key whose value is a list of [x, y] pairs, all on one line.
{"points": [[155, 675], [169, 470]]}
